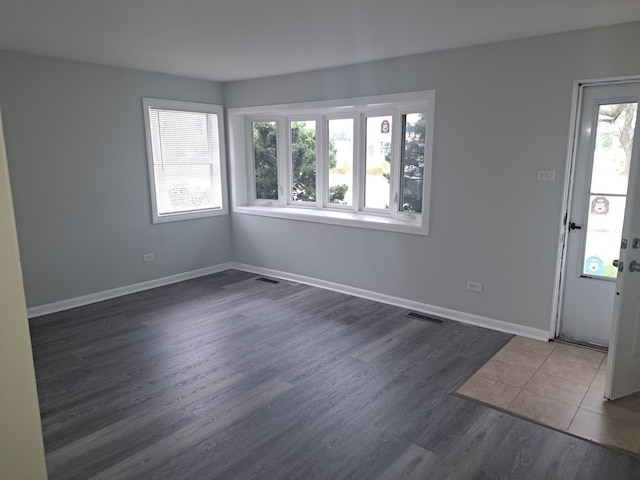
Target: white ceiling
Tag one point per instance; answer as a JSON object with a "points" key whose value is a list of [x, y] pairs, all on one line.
{"points": [[238, 39]]}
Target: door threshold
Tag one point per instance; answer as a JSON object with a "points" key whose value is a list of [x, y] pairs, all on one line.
{"points": [[577, 343]]}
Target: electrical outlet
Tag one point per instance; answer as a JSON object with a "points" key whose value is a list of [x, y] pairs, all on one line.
{"points": [[546, 175], [474, 286], [147, 257]]}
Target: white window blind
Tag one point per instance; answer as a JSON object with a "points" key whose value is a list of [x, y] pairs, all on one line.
{"points": [[185, 161]]}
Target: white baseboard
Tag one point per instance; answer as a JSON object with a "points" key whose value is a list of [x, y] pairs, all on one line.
{"points": [[462, 317], [54, 307], [447, 313]]}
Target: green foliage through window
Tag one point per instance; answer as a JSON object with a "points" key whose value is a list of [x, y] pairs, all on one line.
{"points": [[303, 162], [414, 127], [412, 177], [265, 155]]}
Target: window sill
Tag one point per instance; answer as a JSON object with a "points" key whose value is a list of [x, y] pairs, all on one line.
{"points": [[334, 217], [179, 216]]}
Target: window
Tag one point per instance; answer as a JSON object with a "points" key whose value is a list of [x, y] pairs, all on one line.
{"points": [[414, 130], [363, 162], [265, 159], [185, 149], [303, 161], [377, 187], [341, 161]]}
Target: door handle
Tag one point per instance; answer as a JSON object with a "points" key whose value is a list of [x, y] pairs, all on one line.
{"points": [[573, 226], [634, 266]]}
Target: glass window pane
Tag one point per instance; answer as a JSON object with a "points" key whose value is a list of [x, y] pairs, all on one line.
{"points": [[186, 161], [604, 232], [378, 162], [413, 132], [341, 161], [265, 159], [185, 188], [303, 161], [612, 153], [180, 136]]}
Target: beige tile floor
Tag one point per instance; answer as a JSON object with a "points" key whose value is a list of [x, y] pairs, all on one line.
{"points": [[560, 386]]}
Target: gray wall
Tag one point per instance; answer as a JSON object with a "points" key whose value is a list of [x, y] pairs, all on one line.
{"points": [[502, 113], [77, 160]]}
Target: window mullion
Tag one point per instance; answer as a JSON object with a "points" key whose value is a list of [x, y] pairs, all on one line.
{"points": [[250, 159], [322, 162], [359, 149], [284, 160], [396, 156]]}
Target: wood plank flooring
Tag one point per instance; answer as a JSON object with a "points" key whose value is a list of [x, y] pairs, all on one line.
{"points": [[228, 377]]}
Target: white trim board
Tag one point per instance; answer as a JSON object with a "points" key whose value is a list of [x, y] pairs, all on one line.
{"points": [[447, 313], [54, 307]]}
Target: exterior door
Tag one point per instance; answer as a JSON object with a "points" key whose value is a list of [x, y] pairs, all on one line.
{"points": [[604, 157], [623, 376]]}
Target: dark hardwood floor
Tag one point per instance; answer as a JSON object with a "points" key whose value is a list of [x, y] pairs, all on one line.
{"points": [[228, 377]]}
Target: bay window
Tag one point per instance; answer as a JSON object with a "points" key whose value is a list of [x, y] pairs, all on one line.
{"points": [[363, 162]]}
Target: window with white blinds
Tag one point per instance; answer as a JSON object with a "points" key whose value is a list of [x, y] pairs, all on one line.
{"points": [[185, 143]]}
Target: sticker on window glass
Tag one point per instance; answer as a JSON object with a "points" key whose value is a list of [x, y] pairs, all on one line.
{"points": [[594, 266], [600, 206], [385, 127]]}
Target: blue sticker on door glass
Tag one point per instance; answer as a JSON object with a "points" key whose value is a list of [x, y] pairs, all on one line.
{"points": [[594, 266]]}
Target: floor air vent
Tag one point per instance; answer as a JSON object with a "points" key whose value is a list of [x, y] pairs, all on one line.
{"points": [[267, 280], [421, 316]]}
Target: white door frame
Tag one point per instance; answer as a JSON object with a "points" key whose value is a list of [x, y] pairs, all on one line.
{"points": [[572, 147]]}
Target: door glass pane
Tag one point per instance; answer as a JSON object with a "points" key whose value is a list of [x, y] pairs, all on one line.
{"points": [[265, 159], [413, 133], [612, 151], [607, 196], [606, 216], [378, 162], [341, 161], [303, 161]]}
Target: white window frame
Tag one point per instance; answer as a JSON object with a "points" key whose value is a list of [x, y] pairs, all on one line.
{"points": [[181, 106], [355, 167], [362, 141], [289, 159], [321, 211]]}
